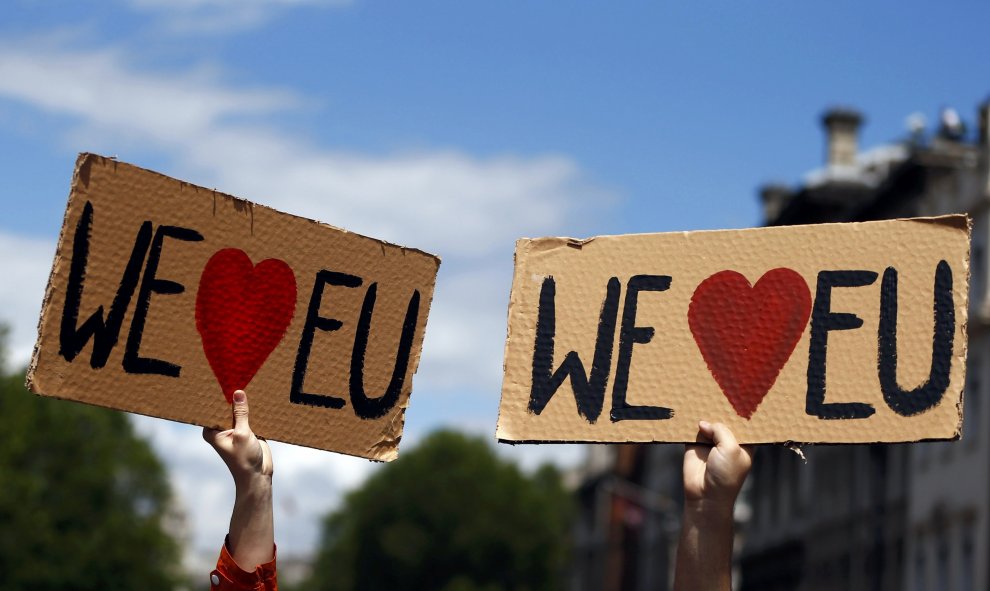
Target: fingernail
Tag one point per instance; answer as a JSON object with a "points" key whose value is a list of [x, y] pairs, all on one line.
{"points": [[705, 425], [239, 396]]}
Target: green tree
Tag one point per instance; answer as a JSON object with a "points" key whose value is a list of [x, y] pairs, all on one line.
{"points": [[82, 498], [448, 515]]}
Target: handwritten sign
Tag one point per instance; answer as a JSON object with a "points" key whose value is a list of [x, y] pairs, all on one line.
{"points": [[166, 297], [831, 333]]}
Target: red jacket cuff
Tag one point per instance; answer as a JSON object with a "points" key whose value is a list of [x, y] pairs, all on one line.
{"points": [[230, 576]]}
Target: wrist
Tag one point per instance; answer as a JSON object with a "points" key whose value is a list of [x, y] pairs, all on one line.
{"points": [[709, 512], [254, 484]]}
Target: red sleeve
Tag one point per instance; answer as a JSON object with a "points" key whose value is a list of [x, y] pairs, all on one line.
{"points": [[228, 576]]}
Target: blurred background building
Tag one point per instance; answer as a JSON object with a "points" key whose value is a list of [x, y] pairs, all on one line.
{"points": [[859, 517], [629, 499]]}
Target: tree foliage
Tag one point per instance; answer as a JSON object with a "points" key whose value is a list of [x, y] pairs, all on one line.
{"points": [[82, 498], [450, 516]]}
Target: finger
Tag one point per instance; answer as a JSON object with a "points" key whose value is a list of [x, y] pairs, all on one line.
{"points": [[723, 437], [705, 434], [241, 411], [747, 452], [266, 457], [696, 452]]}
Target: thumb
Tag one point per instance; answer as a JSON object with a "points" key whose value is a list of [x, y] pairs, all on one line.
{"points": [[240, 411]]}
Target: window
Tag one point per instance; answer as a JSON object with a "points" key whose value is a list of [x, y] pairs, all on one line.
{"points": [[920, 570], [922, 451], [942, 565], [773, 477], [968, 567], [974, 395], [978, 262], [798, 475], [978, 279]]}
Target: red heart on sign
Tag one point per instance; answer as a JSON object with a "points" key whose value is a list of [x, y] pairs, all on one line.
{"points": [[242, 313], [746, 334]]}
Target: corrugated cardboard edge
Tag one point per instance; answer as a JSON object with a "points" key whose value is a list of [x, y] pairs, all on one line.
{"points": [[958, 221], [385, 449], [954, 221], [86, 158], [521, 243], [81, 160]]}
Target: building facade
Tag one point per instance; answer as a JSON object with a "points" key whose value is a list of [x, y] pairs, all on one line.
{"points": [[630, 499], [884, 517]]}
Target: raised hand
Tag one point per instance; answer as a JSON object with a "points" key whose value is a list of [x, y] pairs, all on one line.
{"points": [[715, 469], [251, 540], [715, 473]]}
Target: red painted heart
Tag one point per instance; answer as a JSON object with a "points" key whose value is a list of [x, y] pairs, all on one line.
{"points": [[242, 313], [746, 334]]}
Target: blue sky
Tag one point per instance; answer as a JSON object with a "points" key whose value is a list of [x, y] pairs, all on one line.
{"points": [[454, 127]]}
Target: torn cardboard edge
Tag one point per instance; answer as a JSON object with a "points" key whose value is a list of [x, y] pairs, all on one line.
{"points": [[955, 221], [85, 159]]}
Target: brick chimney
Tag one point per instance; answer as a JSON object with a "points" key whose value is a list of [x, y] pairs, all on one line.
{"points": [[841, 135]]}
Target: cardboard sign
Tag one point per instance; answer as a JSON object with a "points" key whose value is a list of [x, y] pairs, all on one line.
{"points": [[166, 297], [830, 333]]}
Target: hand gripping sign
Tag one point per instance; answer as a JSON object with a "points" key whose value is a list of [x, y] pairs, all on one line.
{"points": [[832, 333], [166, 297]]}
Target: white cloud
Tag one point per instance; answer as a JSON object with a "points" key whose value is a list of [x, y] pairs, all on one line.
{"points": [[466, 329], [442, 201], [467, 209], [437, 200], [221, 16], [114, 100], [24, 266]]}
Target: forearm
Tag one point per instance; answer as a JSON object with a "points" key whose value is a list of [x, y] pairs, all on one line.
{"points": [[252, 529], [704, 554]]}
